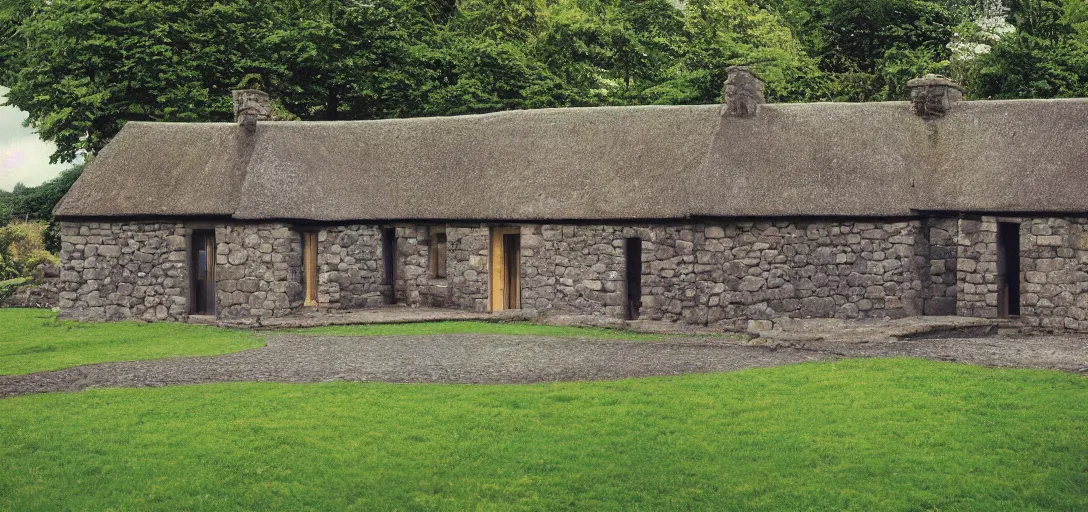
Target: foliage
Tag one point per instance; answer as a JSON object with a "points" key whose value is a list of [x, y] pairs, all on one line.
{"points": [[84, 67], [1046, 58], [863, 434], [37, 203], [8, 287], [5, 209], [33, 340], [22, 248], [89, 65]]}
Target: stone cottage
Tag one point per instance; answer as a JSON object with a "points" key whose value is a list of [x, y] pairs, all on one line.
{"points": [[710, 215]]}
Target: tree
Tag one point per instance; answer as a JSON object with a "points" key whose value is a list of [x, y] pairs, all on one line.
{"points": [[90, 65], [349, 60], [724, 33], [1046, 58]]}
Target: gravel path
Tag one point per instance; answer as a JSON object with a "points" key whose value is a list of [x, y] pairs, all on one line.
{"points": [[493, 359]]}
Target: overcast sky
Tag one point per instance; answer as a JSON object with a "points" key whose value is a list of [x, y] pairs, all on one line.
{"points": [[23, 157]]}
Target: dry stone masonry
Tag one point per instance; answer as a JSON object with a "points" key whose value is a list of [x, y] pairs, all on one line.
{"points": [[257, 270], [726, 274], [124, 271], [749, 213]]}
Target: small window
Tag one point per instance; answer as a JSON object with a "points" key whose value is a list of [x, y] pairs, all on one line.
{"points": [[309, 266], [438, 253]]}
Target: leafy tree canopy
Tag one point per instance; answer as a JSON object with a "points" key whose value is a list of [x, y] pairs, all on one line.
{"points": [[82, 68]]}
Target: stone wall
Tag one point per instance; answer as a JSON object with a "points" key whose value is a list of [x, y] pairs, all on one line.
{"points": [[936, 256], [349, 260], [976, 268], [43, 290], [573, 269], [849, 270], [730, 273], [415, 284], [257, 270], [467, 256], [123, 271], [1054, 267], [724, 274]]}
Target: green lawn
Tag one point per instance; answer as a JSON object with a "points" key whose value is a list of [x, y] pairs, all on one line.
{"points": [[32, 340], [897, 434]]}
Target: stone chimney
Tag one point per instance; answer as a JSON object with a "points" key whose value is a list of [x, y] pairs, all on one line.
{"points": [[250, 106], [743, 93], [933, 96]]}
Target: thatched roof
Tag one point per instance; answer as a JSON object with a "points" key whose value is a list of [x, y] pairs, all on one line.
{"points": [[861, 159]]}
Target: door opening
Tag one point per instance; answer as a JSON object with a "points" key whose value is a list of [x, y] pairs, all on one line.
{"points": [[505, 269], [202, 273], [632, 253], [1008, 269], [389, 264]]}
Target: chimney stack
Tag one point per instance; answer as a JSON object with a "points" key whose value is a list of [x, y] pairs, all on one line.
{"points": [[743, 93], [933, 96], [250, 106]]}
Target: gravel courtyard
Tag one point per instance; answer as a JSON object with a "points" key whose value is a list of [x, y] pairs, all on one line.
{"points": [[498, 359]]}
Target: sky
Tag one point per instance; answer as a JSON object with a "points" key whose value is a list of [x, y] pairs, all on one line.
{"points": [[23, 156]]}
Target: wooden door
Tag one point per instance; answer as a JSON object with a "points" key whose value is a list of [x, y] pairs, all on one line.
{"points": [[202, 270], [309, 263], [505, 269]]}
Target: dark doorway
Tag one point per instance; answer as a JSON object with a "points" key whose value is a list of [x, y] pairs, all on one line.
{"points": [[389, 264], [1008, 269], [632, 254], [511, 251], [202, 272]]}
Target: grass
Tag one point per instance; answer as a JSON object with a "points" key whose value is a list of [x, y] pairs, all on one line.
{"points": [[513, 329], [33, 340], [893, 434]]}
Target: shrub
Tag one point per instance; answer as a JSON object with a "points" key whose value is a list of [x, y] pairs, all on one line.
{"points": [[22, 247], [7, 288]]}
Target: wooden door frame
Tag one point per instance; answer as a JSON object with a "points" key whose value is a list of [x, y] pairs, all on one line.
{"points": [[309, 268], [496, 274]]}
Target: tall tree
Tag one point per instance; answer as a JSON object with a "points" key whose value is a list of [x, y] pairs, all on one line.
{"points": [[90, 65]]}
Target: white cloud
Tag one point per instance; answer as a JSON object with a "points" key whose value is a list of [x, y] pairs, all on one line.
{"points": [[23, 156]]}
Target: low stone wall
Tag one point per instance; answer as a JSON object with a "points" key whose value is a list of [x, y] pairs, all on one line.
{"points": [[123, 270], [42, 291]]}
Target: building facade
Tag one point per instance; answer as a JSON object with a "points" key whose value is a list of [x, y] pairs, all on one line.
{"points": [[866, 211]]}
